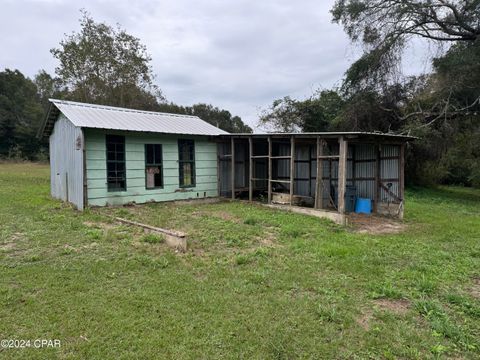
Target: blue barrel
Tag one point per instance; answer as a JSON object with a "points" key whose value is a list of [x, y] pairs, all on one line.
{"points": [[363, 206]]}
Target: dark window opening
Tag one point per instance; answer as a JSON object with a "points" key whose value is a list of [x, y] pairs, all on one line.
{"points": [[153, 166], [186, 163], [116, 171]]}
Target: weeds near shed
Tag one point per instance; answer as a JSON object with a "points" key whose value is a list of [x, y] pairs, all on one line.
{"points": [[152, 238]]}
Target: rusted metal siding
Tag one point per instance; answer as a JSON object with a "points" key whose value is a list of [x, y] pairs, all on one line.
{"points": [[66, 162], [389, 172]]}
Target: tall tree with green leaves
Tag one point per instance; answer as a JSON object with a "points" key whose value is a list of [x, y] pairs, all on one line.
{"points": [[20, 116], [442, 107], [318, 113], [385, 27], [220, 118], [106, 65]]}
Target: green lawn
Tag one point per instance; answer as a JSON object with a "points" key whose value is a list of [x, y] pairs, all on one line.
{"points": [[256, 283]]}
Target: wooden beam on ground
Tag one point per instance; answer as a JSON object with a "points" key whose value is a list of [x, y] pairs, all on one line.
{"points": [[292, 167], [232, 145], [153, 228], [342, 174], [250, 169], [174, 239], [269, 189]]}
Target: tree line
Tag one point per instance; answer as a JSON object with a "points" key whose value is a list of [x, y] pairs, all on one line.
{"points": [[100, 64], [441, 107]]}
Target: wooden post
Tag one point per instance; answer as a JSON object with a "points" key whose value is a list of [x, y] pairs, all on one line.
{"points": [[292, 167], [269, 191], [377, 179], [319, 178], [354, 156], [342, 174], [250, 169], [401, 180], [401, 173], [232, 144]]}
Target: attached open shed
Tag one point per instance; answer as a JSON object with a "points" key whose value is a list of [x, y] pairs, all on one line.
{"points": [[353, 166]]}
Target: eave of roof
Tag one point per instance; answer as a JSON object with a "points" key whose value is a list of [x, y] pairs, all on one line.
{"points": [[333, 134]]}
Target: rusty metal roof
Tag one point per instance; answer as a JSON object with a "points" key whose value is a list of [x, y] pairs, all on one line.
{"points": [[116, 118]]}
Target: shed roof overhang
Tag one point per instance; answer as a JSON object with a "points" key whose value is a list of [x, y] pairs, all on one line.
{"points": [[49, 121], [348, 135]]}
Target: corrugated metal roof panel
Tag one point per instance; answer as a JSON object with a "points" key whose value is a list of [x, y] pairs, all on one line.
{"points": [[115, 118]]}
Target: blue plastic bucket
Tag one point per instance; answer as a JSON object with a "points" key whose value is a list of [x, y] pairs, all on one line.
{"points": [[363, 206]]}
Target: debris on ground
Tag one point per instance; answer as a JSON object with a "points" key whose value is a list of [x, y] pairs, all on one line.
{"points": [[374, 224]]}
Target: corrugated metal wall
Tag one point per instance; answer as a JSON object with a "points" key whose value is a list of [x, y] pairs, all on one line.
{"points": [[389, 172], [66, 162], [361, 168], [365, 160]]}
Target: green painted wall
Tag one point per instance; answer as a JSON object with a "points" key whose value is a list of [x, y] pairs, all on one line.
{"points": [[97, 193]]}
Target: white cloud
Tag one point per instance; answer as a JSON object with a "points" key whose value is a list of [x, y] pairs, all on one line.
{"points": [[237, 55]]}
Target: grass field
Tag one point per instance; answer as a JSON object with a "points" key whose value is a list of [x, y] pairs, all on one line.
{"points": [[256, 284]]}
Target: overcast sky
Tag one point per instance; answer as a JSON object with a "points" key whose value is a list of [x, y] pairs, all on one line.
{"points": [[238, 55]]}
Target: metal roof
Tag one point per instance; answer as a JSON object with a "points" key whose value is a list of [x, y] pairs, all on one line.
{"points": [[116, 118], [328, 134]]}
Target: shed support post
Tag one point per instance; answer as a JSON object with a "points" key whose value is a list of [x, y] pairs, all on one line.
{"points": [[232, 144], [292, 167], [250, 169], [376, 202], [269, 189], [401, 179], [319, 178], [342, 174]]}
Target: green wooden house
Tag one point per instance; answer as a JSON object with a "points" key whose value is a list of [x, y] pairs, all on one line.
{"points": [[102, 155]]}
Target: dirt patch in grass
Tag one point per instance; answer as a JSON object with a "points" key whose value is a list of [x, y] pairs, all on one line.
{"points": [[226, 216], [268, 238], [375, 225], [475, 289], [11, 245], [399, 307], [364, 320]]}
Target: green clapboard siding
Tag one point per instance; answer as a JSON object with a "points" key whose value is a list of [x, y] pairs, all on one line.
{"points": [[97, 193]]}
